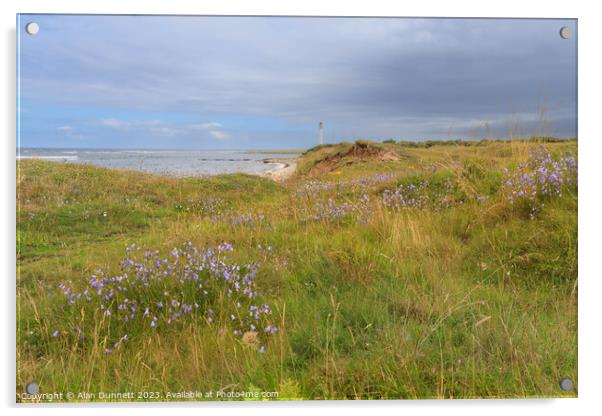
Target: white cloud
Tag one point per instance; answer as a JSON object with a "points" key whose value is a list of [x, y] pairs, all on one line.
{"points": [[166, 131], [115, 123], [69, 131], [148, 123], [160, 128], [219, 135], [206, 126], [212, 128]]}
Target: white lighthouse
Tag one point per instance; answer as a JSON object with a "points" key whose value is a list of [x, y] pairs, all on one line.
{"points": [[321, 132]]}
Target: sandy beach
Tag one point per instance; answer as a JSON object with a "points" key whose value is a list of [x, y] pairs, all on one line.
{"points": [[286, 169]]}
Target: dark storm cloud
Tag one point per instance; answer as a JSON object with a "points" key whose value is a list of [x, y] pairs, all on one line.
{"points": [[413, 78]]}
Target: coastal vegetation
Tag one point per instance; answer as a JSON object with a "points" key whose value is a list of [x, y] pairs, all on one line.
{"points": [[378, 271]]}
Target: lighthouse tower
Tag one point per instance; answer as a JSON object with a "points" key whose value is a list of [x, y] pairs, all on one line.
{"points": [[321, 133]]}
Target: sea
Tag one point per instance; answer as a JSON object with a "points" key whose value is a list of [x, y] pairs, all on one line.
{"points": [[164, 162]]}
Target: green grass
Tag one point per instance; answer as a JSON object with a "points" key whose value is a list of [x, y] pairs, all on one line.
{"points": [[473, 300]]}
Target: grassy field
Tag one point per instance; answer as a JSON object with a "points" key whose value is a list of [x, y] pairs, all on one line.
{"points": [[380, 271]]}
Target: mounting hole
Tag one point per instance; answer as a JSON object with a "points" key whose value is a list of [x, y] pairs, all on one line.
{"points": [[32, 388], [32, 28], [566, 384], [565, 32]]}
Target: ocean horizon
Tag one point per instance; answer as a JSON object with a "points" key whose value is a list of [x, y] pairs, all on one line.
{"points": [[177, 162]]}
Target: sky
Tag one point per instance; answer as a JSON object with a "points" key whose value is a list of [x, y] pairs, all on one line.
{"points": [[192, 82]]}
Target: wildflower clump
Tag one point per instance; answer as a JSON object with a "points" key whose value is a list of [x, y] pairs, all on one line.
{"points": [[313, 188], [406, 196], [155, 293], [539, 178], [422, 194], [332, 211]]}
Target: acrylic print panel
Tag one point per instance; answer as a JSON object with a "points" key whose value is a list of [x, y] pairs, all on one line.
{"points": [[279, 208]]}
